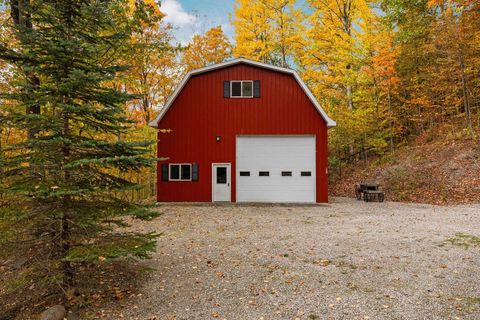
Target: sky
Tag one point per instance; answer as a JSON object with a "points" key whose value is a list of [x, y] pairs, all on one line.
{"points": [[197, 16]]}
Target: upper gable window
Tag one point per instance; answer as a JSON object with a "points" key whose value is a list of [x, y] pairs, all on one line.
{"points": [[241, 89]]}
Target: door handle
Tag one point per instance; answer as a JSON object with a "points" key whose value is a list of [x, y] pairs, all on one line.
{"points": [[228, 184]]}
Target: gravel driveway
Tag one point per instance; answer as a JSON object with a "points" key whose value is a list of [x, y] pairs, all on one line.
{"points": [[345, 260]]}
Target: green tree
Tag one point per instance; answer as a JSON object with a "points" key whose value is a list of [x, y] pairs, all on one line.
{"points": [[62, 181]]}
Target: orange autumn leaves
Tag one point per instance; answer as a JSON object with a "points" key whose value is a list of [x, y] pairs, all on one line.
{"points": [[384, 70], [380, 77], [203, 50]]}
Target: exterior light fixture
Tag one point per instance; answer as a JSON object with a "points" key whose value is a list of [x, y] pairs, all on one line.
{"points": [[218, 139]]}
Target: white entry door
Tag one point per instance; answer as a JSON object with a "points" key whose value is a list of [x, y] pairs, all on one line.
{"points": [[275, 169], [221, 182]]}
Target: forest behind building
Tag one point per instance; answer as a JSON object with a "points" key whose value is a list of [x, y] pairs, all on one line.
{"points": [[81, 80]]}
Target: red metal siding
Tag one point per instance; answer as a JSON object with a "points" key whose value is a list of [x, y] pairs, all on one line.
{"points": [[200, 113]]}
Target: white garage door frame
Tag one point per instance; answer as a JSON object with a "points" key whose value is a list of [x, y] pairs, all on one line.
{"points": [[314, 169]]}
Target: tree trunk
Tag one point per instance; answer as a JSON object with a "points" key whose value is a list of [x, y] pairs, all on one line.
{"points": [[345, 12], [145, 108], [466, 103], [21, 17], [389, 99], [350, 97], [65, 232]]}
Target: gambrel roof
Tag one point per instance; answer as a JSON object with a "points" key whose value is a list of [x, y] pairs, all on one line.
{"points": [[154, 123]]}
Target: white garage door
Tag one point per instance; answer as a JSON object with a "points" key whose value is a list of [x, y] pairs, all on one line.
{"points": [[275, 169]]}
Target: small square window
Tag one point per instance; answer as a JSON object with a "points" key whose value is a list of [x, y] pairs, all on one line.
{"points": [[286, 173], [306, 174], [244, 173], [264, 173], [236, 88]]}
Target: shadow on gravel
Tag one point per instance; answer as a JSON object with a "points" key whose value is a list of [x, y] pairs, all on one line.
{"points": [[240, 205], [96, 287]]}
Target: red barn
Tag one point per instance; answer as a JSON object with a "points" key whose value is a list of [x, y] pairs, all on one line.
{"points": [[242, 131]]}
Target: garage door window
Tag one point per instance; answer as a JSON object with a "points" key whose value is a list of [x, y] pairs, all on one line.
{"points": [[244, 173], [264, 173], [306, 174], [286, 173]]}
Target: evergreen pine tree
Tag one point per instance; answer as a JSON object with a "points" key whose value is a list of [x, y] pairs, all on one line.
{"points": [[61, 183]]}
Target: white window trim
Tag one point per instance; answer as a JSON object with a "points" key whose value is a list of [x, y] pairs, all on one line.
{"points": [[241, 89], [179, 171]]}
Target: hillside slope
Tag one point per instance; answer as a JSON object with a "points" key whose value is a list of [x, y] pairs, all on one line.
{"points": [[429, 170]]}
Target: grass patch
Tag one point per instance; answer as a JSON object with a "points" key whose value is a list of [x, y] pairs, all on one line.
{"points": [[17, 283], [345, 264], [472, 300], [148, 270], [465, 304], [472, 304], [464, 240], [322, 262], [355, 287]]}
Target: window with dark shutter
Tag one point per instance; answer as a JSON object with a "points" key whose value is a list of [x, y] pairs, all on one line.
{"points": [[164, 172], [180, 172], [256, 88], [226, 89], [241, 89], [195, 172]]}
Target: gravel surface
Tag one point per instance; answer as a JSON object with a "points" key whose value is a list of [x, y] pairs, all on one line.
{"points": [[345, 260]]}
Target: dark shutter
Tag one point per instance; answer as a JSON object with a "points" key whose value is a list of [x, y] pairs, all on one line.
{"points": [[226, 89], [256, 88], [164, 171], [195, 172]]}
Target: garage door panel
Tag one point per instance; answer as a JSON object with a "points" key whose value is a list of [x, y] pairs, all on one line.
{"points": [[275, 188], [275, 154]]}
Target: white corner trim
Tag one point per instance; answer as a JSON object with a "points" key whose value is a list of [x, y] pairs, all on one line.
{"points": [[154, 123]]}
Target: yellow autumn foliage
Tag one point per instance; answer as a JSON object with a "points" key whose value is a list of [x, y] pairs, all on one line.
{"points": [[203, 50], [270, 31]]}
